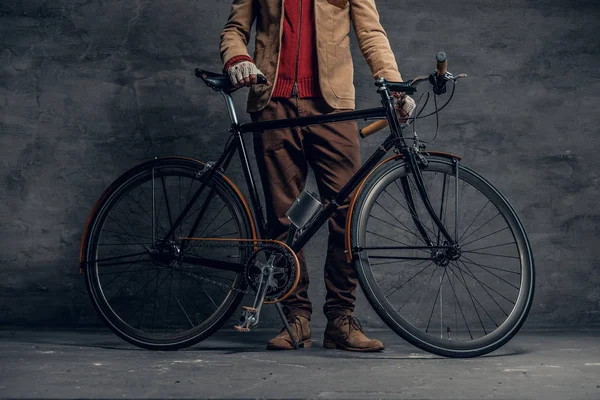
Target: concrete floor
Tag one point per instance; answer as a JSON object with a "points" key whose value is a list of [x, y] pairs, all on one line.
{"points": [[85, 364]]}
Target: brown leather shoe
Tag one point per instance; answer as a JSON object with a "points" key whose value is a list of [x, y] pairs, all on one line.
{"points": [[345, 333], [301, 331]]}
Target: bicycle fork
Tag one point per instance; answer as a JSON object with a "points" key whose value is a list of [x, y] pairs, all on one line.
{"points": [[415, 161]]}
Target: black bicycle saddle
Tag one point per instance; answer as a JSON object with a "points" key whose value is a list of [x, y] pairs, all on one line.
{"points": [[215, 81], [221, 82]]}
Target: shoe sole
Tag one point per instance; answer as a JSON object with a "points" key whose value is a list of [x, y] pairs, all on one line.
{"points": [[301, 345], [333, 345]]}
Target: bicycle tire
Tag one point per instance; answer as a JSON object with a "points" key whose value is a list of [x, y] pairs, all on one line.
{"points": [[412, 330], [160, 169]]}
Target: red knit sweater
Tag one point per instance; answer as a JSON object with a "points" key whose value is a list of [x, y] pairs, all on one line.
{"points": [[298, 52]]}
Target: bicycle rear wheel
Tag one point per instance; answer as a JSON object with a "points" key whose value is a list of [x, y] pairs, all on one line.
{"points": [[452, 303], [149, 288]]}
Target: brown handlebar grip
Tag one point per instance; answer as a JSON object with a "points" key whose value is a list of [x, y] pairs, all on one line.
{"points": [[442, 64], [373, 128]]}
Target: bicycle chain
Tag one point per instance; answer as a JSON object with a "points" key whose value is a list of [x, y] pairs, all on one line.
{"points": [[223, 285]]}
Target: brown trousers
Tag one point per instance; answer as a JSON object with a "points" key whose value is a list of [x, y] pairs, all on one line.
{"points": [[283, 157]]}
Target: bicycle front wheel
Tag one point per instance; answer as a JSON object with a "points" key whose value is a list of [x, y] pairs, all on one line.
{"points": [[455, 302], [156, 290]]}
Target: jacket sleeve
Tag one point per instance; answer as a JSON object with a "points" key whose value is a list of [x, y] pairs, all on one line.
{"points": [[236, 33], [373, 41]]}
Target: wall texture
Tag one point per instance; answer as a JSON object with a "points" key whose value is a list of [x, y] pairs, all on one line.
{"points": [[90, 88]]}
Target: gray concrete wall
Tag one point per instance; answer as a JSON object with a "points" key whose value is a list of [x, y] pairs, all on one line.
{"points": [[91, 88]]}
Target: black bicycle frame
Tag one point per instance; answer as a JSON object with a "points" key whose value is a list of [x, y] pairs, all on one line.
{"points": [[238, 145]]}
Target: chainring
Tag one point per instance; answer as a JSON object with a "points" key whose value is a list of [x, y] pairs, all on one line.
{"points": [[285, 275]]}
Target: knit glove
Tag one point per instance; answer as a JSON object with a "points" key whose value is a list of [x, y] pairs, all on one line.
{"points": [[404, 105], [243, 73]]}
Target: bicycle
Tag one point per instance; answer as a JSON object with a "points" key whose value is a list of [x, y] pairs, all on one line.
{"points": [[441, 255]]}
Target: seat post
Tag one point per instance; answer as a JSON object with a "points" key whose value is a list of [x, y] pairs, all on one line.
{"points": [[230, 108]]}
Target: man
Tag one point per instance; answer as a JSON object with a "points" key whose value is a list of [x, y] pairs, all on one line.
{"points": [[302, 46]]}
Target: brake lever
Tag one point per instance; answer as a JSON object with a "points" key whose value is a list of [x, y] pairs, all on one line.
{"points": [[455, 78]]}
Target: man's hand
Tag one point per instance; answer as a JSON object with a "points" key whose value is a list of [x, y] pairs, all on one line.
{"points": [[244, 73], [404, 105]]}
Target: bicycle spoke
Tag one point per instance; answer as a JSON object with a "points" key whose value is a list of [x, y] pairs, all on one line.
{"points": [[476, 230], [209, 277], [128, 234], [410, 297], [124, 286], [169, 299], [142, 208], [487, 266], [497, 276], [213, 220], [151, 294], [483, 285], [391, 262], [494, 246], [220, 226], [162, 178], [461, 310], [411, 278], [118, 206], [489, 254], [122, 272], [393, 240], [472, 222], [414, 234], [144, 301], [129, 266], [122, 263], [473, 297], [486, 236], [123, 244], [407, 210], [392, 225], [184, 312], [117, 257], [153, 220], [436, 299], [190, 299]]}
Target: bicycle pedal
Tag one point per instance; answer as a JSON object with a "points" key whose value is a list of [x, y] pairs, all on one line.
{"points": [[240, 329], [247, 319]]}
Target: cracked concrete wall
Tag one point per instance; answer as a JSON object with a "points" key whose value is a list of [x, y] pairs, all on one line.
{"points": [[91, 88]]}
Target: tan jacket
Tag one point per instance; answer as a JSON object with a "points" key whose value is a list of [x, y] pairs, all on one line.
{"points": [[332, 20]]}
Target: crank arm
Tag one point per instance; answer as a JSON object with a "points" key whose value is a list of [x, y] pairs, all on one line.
{"points": [[251, 315]]}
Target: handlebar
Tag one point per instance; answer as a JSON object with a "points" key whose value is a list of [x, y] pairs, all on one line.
{"points": [[261, 80], [442, 64], [438, 79]]}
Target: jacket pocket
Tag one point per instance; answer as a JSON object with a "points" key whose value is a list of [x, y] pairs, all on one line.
{"points": [[339, 3], [341, 76]]}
